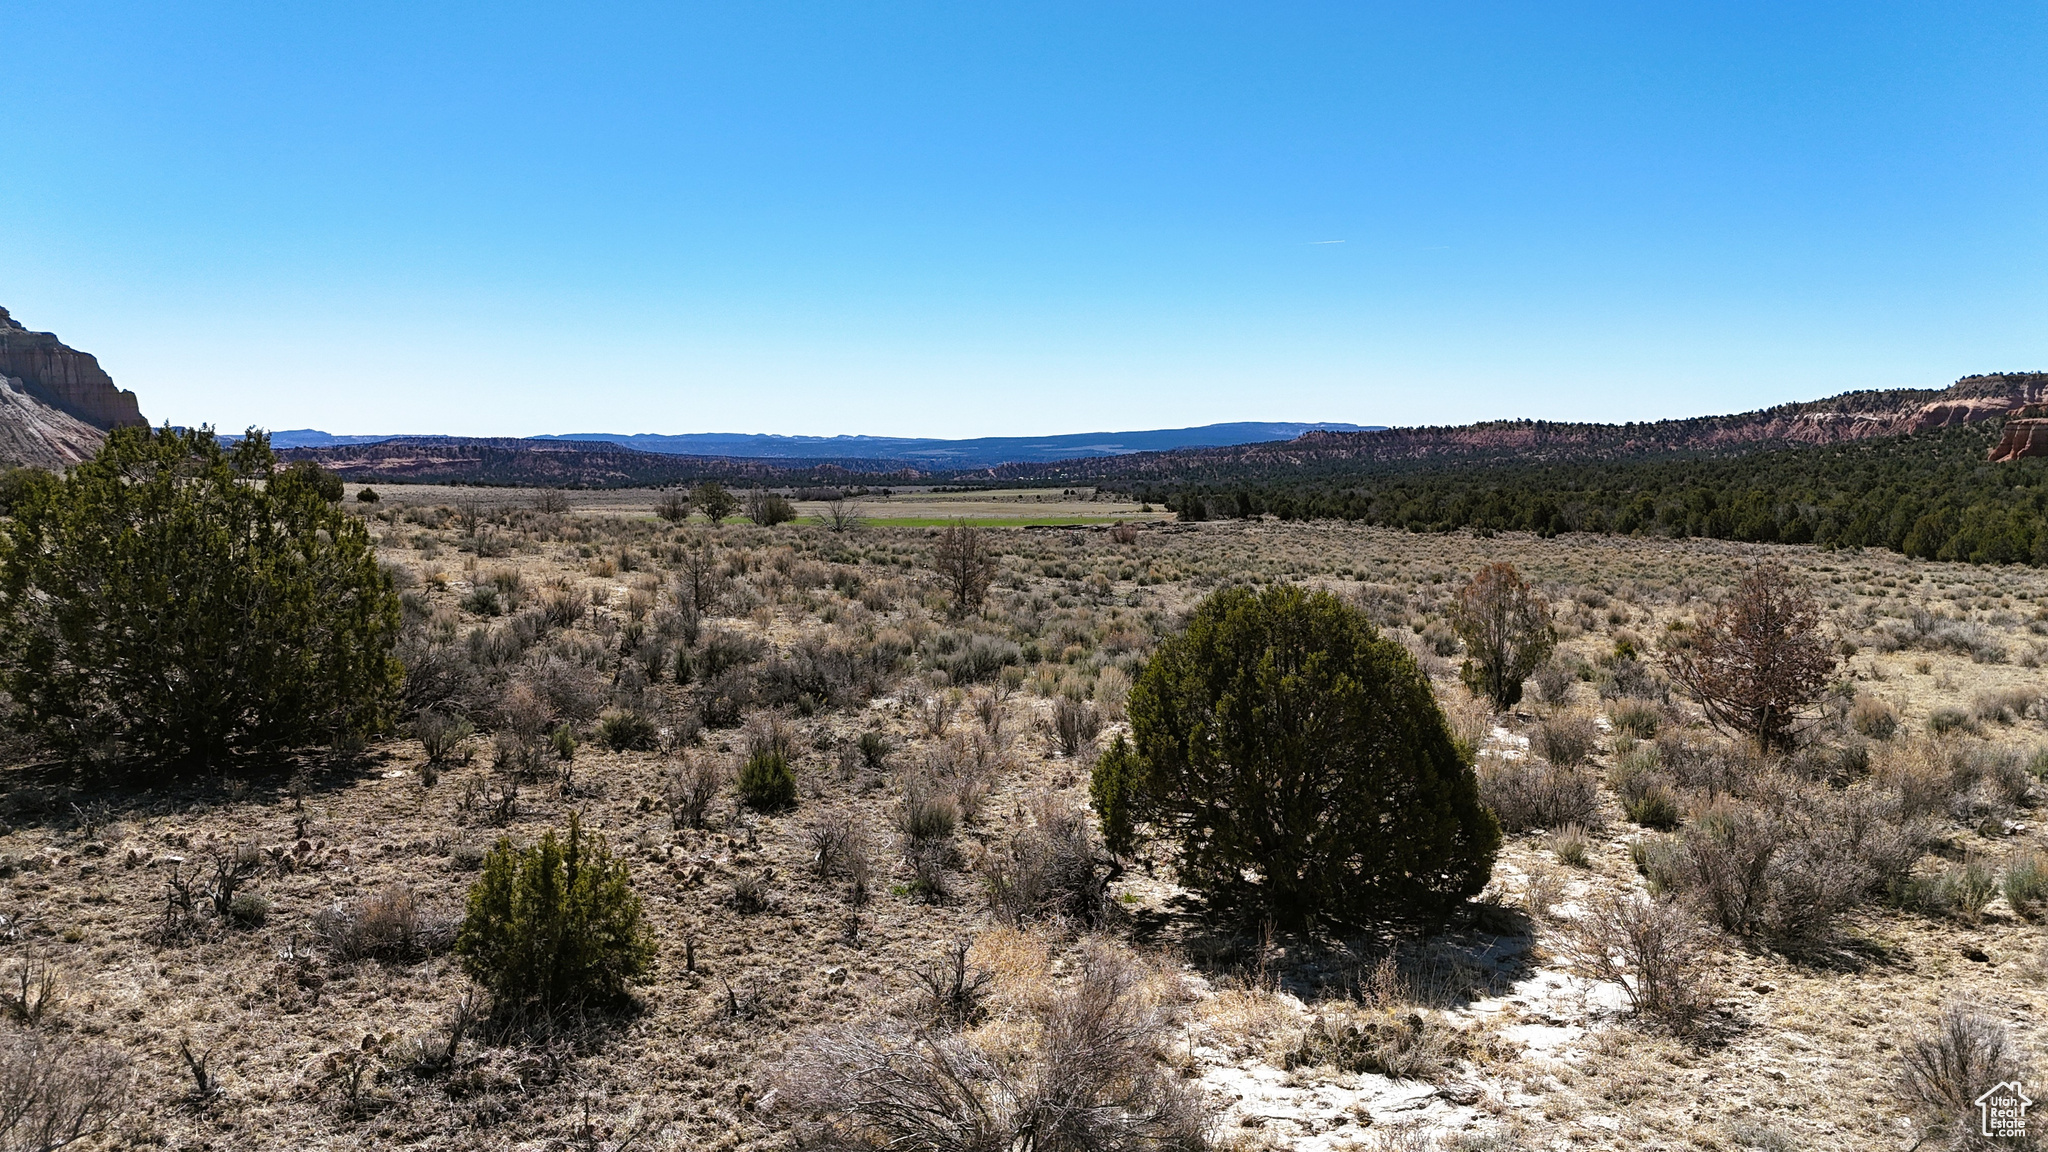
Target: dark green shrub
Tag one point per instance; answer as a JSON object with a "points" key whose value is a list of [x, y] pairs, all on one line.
{"points": [[483, 601], [768, 509], [874, 750], [564, 740], [1300, 761], [555, 925], [621, 730], [766, 783], [715, 502], [306, 477], [16, 483], [1112, 787], [366, 496], [161, 600]]}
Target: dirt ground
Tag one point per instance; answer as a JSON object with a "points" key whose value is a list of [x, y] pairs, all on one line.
{"points": [[1802, 1053]]}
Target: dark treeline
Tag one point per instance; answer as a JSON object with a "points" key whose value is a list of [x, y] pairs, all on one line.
{"points": [[1931, 496]]}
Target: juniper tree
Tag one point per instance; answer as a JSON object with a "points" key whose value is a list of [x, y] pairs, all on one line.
{"points": [[1301, 764], [1507, 633], [162, 600]]}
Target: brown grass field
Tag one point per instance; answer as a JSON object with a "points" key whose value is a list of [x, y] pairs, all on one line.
{"points": [[1800, 1048]]}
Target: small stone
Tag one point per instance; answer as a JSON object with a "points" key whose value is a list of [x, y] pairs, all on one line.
{"points": [[1763, 988], [1465, 1094], [835, 975]]}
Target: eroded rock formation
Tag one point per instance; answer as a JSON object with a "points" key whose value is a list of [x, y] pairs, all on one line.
{"points": [[37, 435], [64, 378], [2024, 436]]}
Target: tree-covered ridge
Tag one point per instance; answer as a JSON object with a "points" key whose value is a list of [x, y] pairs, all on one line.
{"points": [[1931, 495]]}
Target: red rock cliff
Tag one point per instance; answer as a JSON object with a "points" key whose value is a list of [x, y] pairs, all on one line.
{"points": [[2023, 437], [63, 377]]}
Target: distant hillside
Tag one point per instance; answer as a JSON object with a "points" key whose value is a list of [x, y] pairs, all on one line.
{"points": [[1851, 416], [569, 464], [314, 438], [1320, 455], [975, 453], [1933, 494]]}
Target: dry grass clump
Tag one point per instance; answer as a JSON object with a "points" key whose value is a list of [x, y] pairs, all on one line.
{"points": [[2025, 883], [1413, 1045], [1554, 684], [1542, 887], [1636, 719], [1944, 1068], [1387, 1029], [1648, 795], [1571, 845], [1090, 1078], [1565, 741], [385, 925], [1470, 718], [1874, 718], [1526, 794], [1075, 724], [926, 819], [1054, 868], [55, 1091], [1785, 867], [1656, 950]]}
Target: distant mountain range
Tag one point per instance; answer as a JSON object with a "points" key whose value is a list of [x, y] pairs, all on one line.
{"points": [[56, 404], [923, 453]]}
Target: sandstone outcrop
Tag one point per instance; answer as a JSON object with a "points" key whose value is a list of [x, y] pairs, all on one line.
{"points": [[64, 378], [2024, 436]]}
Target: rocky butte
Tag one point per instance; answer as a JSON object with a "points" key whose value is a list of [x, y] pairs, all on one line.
{"points": [[56, 403]]}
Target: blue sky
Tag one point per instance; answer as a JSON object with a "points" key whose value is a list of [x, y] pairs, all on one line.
{"points": [[957, 219]]}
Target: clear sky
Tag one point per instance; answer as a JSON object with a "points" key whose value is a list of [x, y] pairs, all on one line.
{"points": [[962, 219]]}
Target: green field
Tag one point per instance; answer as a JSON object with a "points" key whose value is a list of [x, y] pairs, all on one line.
{"points": [[1004, 521]]}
